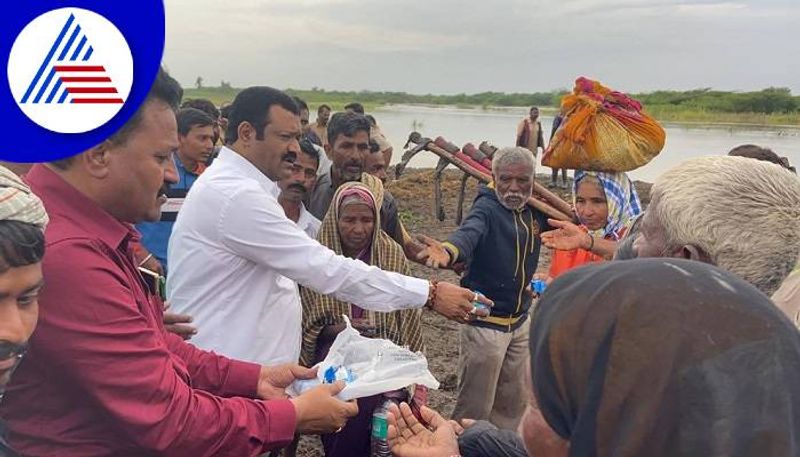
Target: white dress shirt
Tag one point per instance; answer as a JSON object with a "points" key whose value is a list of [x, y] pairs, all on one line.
{"points": [[308, 223], [235, 261]]}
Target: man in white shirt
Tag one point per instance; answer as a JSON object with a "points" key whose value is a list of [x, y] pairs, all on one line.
{"points": [[238, 258], [296, 187]]}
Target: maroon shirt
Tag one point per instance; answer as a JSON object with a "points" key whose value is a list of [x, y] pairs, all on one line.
{"points": [[103, 377]]}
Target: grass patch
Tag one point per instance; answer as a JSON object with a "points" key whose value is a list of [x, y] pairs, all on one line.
{"points": [[669, 113], [408, 217]]}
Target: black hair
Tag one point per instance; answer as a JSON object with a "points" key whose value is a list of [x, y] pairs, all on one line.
{"points": [[189, 118], [371, 120], [204, 105], [225, 111], [21, 244], [164, 89], [308, 148], [300, 103], [252, 105], [323, 106], [346, 123], [355, 106], [751, 151], [374, 146]]}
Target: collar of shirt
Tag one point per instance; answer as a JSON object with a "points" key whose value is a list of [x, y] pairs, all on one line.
{"points": [[305, 219], [233, 159], [62, 199], [326, 178], [182, 171]]}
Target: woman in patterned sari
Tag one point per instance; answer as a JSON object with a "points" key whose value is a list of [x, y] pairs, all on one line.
{"points": [[352, 228]]}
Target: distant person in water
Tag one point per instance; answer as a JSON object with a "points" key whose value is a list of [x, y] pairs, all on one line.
{"points": [[554, 177]]}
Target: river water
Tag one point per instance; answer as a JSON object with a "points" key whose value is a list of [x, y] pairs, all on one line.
{"points": [[498, 126]]}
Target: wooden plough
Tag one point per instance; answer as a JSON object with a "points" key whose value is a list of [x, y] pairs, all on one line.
{"points": [[473, 163]]}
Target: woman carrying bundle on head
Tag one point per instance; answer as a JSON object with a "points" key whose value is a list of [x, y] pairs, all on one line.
{"points": [[606, 204]]}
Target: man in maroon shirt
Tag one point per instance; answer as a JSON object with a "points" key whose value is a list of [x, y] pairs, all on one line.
{"points": [[102, 376]]}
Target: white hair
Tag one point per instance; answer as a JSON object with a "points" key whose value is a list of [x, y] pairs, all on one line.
{"points": [[513, 155], [744, 213]]}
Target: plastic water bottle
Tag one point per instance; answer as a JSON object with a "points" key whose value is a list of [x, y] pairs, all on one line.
{"points": [[380, 430], [538, 286], [478, 305]]}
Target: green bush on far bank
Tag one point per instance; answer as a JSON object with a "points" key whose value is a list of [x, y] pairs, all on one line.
{"points": [[772, 106]]}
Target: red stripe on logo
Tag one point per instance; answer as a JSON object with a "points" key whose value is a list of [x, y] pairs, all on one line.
{"points": [[85, 79], [79, 68], [91, 90], [97, 100]]}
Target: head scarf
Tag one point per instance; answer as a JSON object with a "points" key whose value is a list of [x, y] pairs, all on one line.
{"points": [[401, 327], [18, 203], [354, 194], [357, 195], [665, 357], [621, 198], [374, 186]]}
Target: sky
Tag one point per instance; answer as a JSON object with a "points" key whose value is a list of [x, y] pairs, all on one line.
{"points": [[455, 46]]}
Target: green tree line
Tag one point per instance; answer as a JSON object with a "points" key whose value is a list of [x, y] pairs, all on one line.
{"points": [[773, 100]]}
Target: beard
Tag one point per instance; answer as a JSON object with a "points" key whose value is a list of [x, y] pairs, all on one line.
{"points": [[352, 171], [512, 200], [8, 351]]}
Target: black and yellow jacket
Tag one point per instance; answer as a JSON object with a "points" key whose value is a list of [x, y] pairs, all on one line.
{"points": [[501, 251]]}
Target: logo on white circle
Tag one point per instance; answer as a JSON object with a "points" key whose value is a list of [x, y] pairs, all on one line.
{"points": [[70, 70]]}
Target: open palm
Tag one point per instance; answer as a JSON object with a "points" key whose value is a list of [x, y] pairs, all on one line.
{"points": [[409, 438], [566, 236]]}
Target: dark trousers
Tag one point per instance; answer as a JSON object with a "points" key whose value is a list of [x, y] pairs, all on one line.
{"points": [[485, 440]]}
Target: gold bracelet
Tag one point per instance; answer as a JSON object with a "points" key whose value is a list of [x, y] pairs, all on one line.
{"points": [[431, 293]]}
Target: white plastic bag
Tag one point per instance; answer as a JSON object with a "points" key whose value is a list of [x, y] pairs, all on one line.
{"points": [[369, 366]]}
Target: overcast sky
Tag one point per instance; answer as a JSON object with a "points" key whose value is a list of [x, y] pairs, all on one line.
{"points": [[453, 46]]}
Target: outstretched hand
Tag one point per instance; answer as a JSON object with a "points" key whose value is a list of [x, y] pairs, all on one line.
{"points": [[434, 255], [409, 438], [458, 304], [565, 237]]}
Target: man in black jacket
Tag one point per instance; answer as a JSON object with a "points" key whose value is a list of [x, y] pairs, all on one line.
{"points": [[499, 242]]}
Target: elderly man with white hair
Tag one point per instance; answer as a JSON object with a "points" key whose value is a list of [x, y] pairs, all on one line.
{"points": [[739, 214], [499, 241]]}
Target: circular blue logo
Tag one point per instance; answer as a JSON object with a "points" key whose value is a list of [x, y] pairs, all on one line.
{"points": [[75, 73]]}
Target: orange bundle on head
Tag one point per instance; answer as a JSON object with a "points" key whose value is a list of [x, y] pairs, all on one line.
{"points": [[603, 130]]}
